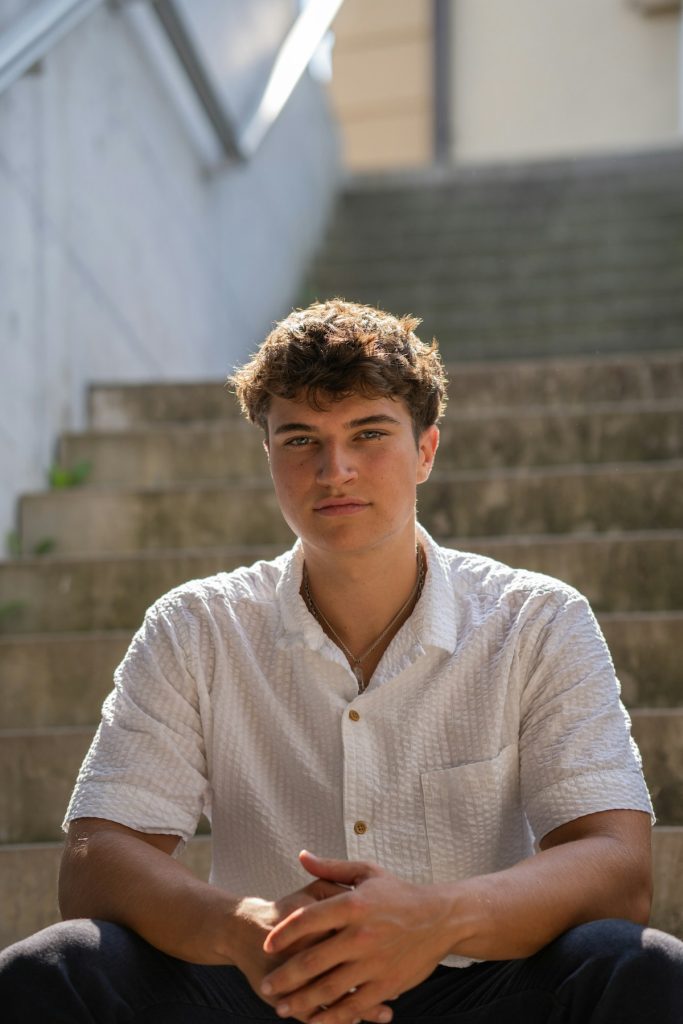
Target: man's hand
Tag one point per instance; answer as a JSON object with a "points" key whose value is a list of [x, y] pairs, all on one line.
{"points": [[256, 918], [383, 937]]}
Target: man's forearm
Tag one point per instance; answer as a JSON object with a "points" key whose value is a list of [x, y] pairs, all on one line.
{"points": [[119, 877], [514, 913]]}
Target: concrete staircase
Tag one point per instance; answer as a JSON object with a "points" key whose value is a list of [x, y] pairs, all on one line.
{"points": [[580, 256], [573, 467]]}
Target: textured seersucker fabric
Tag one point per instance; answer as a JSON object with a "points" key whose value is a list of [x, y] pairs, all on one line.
{"points": [[493, 717]]}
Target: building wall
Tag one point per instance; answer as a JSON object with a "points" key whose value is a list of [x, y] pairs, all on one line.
{"points": [[120, 258], [382, 88], [528, 79], [537, 79]]}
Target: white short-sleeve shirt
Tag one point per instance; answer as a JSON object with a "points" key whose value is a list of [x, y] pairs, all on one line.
{"points": [[492, 718]]}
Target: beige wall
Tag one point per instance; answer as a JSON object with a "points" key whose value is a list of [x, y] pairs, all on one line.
{"points": [[538, 78], [382, 84]]}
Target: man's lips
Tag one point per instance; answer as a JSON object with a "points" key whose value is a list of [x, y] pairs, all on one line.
{"points": [[340, 506]]}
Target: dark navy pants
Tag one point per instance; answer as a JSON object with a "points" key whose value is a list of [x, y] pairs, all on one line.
{"points": [[93, 971]]}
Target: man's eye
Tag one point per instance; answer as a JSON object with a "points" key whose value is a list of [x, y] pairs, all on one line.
{"points": [[297, 442], [372, 434]]}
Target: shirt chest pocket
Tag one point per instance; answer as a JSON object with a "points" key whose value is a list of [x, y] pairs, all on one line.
{"points": [[474, 818]]}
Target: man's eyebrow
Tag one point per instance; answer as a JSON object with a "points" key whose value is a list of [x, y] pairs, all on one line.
{"points": [[364, 421]]}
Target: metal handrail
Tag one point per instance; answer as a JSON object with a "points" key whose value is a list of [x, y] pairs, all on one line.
{"points": [[36, 32], [293, 58]]}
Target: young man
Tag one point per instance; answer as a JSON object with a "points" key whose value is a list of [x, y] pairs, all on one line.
{"points": [[443, 732]]}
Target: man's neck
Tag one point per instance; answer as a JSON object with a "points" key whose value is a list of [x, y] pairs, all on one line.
{"points": [[359, 593]]}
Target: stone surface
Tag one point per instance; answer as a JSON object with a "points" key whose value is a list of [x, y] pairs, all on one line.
{"points": [[57, 680], [473, 385], [659, 735], [646, 651], [38, 769], [558, 259], [617, 572], [527, 436], [617, 496], [28, 884]]}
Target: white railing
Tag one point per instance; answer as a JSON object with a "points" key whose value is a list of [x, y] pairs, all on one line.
{"points": [[37, 31]]}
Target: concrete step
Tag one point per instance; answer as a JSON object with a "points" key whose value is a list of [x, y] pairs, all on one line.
{"points": [[566, 381], [618, 572], [451, 233], [625, 311], [578, 381], [124, 406], [610, 432], [660, 331], [452, 293], [645, 652], [57, 680], [626, 572], [596, 268], [659, 735], [40, 767], [28, 882], [61, 679], [609, 496]]}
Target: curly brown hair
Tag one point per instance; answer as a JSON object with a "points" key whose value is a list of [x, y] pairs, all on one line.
{"points": [[335, 349]]}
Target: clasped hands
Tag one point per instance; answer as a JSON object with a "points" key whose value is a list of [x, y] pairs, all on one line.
{"points": [[345, 955]]}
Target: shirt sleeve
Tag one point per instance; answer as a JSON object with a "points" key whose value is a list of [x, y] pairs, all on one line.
{"points": [[147, 765], [577, 756]]}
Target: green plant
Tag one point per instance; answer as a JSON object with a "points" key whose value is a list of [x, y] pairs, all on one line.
{"points": [[13, 544], [10, 608], [44, 546], [73, 476], [15, 548]]}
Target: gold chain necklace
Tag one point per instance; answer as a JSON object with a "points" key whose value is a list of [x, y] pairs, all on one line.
{"points": [[357, 662]]}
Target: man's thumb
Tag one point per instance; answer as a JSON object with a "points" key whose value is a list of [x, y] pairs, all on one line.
{"points": [[344, 872]]}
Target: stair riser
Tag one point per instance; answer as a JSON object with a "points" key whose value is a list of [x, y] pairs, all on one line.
{"points": [[39, 772], [62, 680], [617, 574], [659, 736], [57, 681], [117, 407], [528, 383], [500, 341], [573, 381], [52, 595], [616, 498], [175, 456], [28, 883], [448, 277], [41, 769]]}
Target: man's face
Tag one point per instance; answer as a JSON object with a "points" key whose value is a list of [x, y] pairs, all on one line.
{"points": [[346, 477]]}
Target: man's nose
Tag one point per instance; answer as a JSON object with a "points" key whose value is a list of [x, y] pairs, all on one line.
{"points": [[335, 466]]}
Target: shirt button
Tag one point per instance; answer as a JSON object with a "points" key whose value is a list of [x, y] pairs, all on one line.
{"points": [[354, 716], [360, 828]]}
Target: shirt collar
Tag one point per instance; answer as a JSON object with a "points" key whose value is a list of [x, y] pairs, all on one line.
{"points": [[434, 619], [433, 622]]}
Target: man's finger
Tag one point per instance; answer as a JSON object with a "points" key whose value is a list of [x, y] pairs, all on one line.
{"points": [[325, 916], [310, 964], [346, 872]]}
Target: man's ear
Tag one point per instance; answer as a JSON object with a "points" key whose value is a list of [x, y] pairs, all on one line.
{"points": [[426, 451]]}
